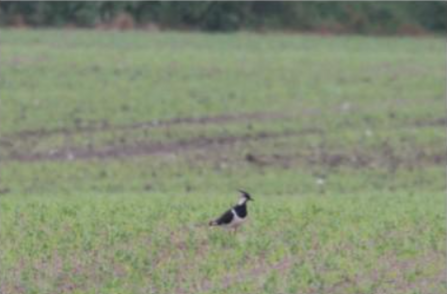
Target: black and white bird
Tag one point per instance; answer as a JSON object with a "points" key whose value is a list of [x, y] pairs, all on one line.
{"points": [[235, 216]]}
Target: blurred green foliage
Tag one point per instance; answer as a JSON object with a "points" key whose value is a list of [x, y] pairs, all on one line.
{"points": [[348, 17]]}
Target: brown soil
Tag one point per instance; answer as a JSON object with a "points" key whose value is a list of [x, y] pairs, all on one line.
{"points": [[144, 148], [220, 149], [440, 121], [105, 126]]}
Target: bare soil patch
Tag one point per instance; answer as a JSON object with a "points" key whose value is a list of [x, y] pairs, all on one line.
{"points": [[221, 149], [106, 126], [440, 121], [144, 148]]}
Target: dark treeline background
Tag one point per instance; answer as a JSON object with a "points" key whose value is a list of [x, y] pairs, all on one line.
{"points": [[337, 17]]}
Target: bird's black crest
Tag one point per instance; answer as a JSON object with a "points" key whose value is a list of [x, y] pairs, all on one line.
{"points": [[246, 195]]}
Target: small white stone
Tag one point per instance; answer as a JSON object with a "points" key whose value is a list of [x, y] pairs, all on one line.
{"points": [[346, 106], [70, 156]]}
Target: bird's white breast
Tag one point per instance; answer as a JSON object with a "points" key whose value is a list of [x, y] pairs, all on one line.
{"points": [[237, 221]]}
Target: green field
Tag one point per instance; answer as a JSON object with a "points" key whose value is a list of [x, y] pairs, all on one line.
{"points": [[116, 149]]}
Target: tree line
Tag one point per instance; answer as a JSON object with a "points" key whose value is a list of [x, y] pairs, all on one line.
{"points": [[341, 17]]}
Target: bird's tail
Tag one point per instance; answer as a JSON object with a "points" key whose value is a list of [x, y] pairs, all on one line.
{"points": [[212, 223]]}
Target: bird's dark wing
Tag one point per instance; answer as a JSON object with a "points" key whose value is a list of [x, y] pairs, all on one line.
{"points": [[225, 218]]}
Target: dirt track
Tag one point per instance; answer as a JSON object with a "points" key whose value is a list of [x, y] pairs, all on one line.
{"points": [[106, 126], [385, 155], [144, 148]]}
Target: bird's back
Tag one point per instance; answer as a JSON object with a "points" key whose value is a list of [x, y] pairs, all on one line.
{"points": [[224, 219]]}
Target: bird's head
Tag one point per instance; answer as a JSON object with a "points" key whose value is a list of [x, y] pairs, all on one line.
{"points": [[245, 196]]}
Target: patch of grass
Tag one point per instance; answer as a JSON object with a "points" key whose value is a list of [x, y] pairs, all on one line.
{"points": [[117, 149], [130, 242]]}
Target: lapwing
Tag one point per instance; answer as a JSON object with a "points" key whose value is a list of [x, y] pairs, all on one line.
{"points": [[235, 216]]}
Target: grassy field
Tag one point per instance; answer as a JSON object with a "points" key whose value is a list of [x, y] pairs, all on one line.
{"points": [[116, 150]]}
